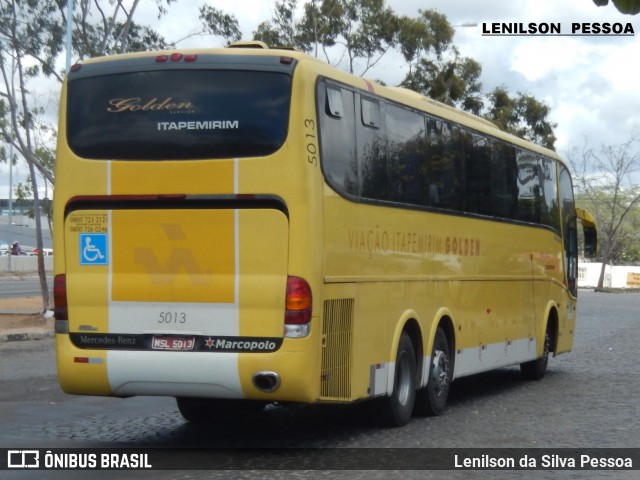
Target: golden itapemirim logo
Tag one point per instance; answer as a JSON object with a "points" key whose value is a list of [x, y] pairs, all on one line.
{"points": [[138, 104]]}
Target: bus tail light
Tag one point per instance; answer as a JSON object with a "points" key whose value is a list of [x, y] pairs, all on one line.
{"points": [[297, 316], [176, 57], [61, 312]]}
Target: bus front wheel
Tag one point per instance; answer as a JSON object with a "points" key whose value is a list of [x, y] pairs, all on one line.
{"points": [[432, 399], [395, 410]]}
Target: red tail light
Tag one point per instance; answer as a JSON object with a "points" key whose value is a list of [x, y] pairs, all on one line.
{"points": [[298, 307], [61, 311], [176, 57]]}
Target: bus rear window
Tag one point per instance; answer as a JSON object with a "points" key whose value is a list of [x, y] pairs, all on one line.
{"points": [[180, 114]]}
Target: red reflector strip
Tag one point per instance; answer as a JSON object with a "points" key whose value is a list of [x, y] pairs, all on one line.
{"points": [[369, 86], [190, 58], [176, 57], [162, 58], [88, 360]]}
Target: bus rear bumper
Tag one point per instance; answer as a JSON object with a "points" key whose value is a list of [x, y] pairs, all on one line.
{"points": [[225, 375]]}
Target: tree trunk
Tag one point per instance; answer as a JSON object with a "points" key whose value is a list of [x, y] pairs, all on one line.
{"points": [[36, 213], [601, 278], [606, 259]]}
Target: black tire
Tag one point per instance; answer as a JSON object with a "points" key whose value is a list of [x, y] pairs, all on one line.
{"points": [[536, 369], [432, 399], [207, 410], [396, 410]]}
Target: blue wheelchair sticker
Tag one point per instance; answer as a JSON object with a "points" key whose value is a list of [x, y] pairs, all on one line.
{"points": [[93, 249]]}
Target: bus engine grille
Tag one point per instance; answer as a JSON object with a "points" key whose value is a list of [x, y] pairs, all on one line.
{"points": [[337, 334]]}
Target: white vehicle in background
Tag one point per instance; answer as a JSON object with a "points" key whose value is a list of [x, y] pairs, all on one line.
{"points": [[28, 251]]}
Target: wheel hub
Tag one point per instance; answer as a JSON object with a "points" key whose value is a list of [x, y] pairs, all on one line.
{"points": [[440, 372]]}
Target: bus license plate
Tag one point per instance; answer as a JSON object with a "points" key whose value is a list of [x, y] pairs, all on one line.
{"points": [[173, 343]]}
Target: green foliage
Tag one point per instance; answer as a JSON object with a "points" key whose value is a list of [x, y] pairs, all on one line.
{"points": [[454, 81], [30, 28], [629, 7], [282, 30], [522, 115], [422, 36], [218, 23], [363, 31]]}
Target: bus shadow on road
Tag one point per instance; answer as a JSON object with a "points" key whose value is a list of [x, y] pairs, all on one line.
{"points": [[319, 426], [315, 426], [477, 388]]}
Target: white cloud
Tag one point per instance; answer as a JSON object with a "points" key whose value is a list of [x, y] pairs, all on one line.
{"points": [[591, 83]]}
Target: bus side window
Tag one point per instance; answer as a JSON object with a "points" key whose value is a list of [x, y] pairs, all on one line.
{"points": [[451, 195], [504, 174], [405, 146], [370, 113], [549, 211], [372, 152], [569, 229], [477, 174], [434, 163], [335, 107], [528, 187], [337, 132]]}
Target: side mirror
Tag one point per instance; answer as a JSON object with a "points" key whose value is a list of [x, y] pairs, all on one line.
{"points": [[590, 232]]}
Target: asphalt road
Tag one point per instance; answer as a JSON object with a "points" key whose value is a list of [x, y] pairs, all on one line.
{"points": [[588, 399], [17, 287]]}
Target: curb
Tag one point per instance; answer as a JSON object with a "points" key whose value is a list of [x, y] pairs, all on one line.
{"points": [[22, 332], [24, 336]]}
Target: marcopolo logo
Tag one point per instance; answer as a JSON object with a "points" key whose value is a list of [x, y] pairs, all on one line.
{"points": [[242, 344]]}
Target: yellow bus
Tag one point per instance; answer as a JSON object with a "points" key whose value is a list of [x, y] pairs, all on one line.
{"points": [[248, 225]]}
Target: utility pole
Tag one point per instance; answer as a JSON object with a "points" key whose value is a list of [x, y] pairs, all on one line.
{"points": [[10, 226]]}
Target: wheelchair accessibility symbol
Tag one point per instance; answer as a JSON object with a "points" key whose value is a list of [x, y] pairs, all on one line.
{"points": [[93, 249]]}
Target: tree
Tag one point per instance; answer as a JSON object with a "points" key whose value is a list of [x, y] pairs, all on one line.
{"points": [[606, 181], [629, 7], [522, 115], [363, 31], [31, 40], [454, 81], [283, 29], [217, 23]]}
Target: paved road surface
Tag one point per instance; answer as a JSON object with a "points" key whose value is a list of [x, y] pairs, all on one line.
{"points": [[589, 399]]}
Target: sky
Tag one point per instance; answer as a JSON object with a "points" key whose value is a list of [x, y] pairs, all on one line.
{"points": [[591, 83]]}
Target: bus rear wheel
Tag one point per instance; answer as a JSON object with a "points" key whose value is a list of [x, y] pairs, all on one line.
{"points": [[536, 369], [432, 399], [396, 410]]}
